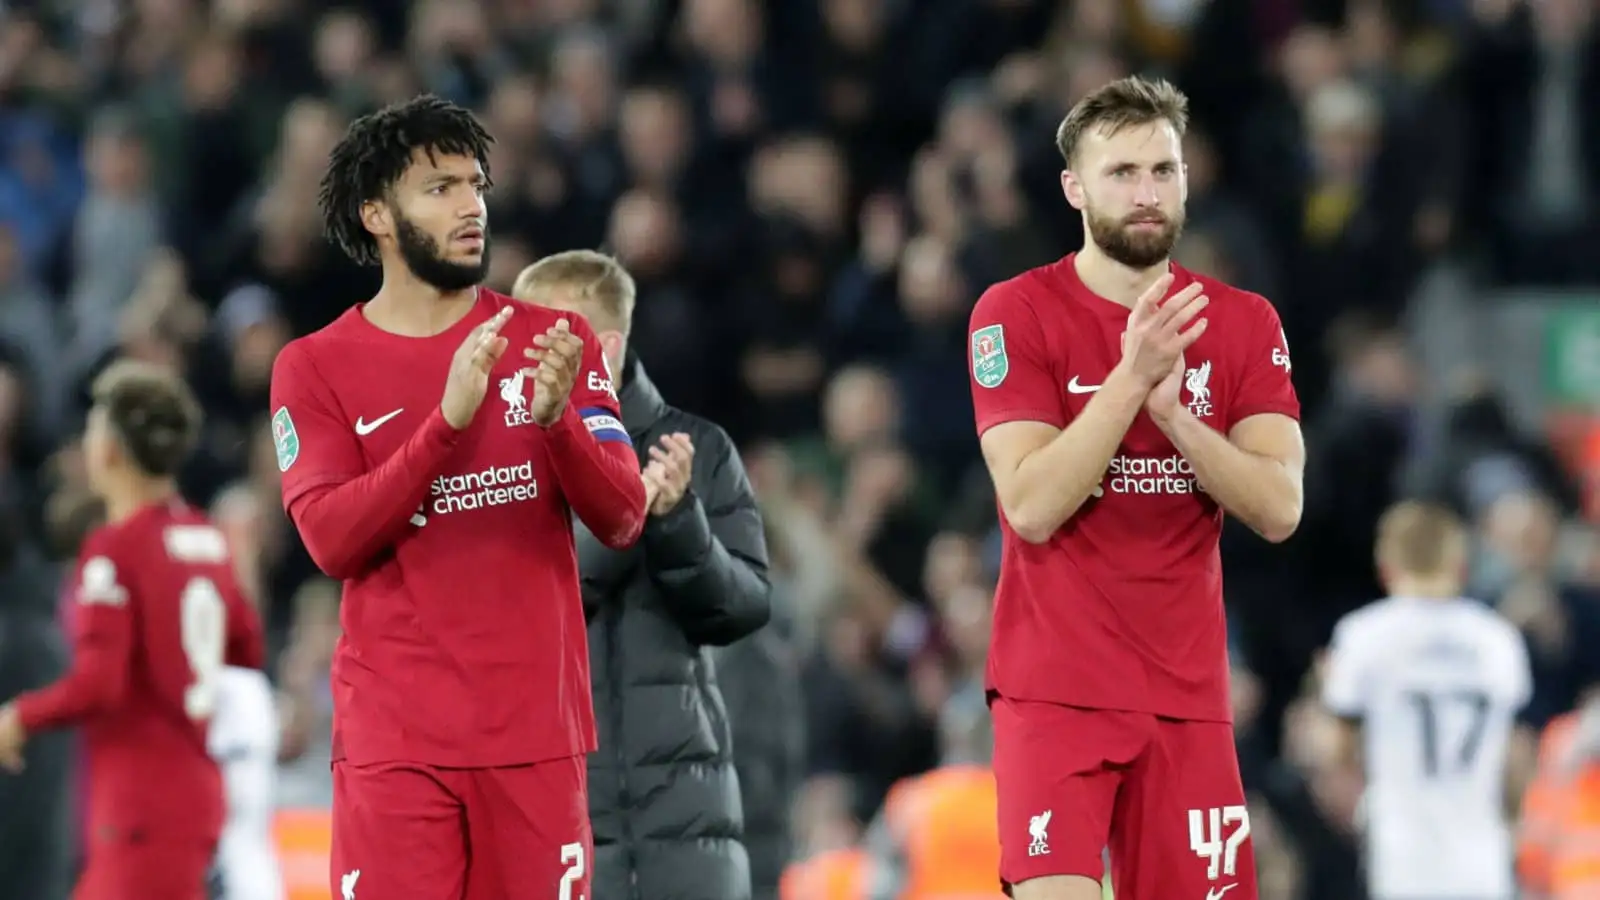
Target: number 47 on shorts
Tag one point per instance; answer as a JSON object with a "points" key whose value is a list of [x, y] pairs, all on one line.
{"points": [[1215, 835]]}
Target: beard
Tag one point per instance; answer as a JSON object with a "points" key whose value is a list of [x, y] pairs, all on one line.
{"points": [[426, 261], [1136, 249]]}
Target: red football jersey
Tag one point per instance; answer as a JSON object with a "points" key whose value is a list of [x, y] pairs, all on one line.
{"points": [[464, 640], [1122, 607], [159, 615]]}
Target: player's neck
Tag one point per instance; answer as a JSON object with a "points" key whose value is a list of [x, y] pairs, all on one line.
{"points": [[1112, 280], [1422, 588], [409, 307], [125, 500]]}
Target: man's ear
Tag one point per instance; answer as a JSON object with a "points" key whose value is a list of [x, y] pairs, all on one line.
{"points": [[1072, 189], [614, 349], [377, 218]]}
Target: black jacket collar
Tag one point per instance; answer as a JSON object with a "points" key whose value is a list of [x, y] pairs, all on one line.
{"points": [[642, 406]]}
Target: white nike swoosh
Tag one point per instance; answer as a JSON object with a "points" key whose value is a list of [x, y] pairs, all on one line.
{"points": [[365, 428], [1073, 387], [1215, 894]]}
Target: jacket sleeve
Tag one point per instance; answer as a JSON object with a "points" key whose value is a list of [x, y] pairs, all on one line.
{"points": [[708, 557]]}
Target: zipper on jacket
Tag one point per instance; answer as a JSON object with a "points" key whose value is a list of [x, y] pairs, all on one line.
{"points": [[613, 615]]}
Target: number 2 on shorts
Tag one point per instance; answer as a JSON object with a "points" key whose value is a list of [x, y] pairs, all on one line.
{"points": [[572, 858]]}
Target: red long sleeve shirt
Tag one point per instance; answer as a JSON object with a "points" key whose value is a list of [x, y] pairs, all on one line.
{"points": [[464, 640], [158, 615]]}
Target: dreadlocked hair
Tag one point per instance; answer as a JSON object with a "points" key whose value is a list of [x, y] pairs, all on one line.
{"points": [[376, 151]]}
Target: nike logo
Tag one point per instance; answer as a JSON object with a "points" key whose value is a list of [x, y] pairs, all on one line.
{"points": [[365, 428], [1216, 893], [1073, 387]]}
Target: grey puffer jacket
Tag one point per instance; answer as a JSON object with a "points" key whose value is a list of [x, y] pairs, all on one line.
{"points": [[663, 791]]}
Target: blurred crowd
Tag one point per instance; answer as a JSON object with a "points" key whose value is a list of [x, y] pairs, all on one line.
{"points": [[811, 195]]}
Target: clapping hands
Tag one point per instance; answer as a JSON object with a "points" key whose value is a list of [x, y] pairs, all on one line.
{"points": [[558, 353], [666, 476], [1159, 331]]}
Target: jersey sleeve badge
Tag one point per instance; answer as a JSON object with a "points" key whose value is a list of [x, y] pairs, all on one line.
{"points": [[98, 583], [989, 363], [285, 440]]}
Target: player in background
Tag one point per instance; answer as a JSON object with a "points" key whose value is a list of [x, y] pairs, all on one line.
{"points": [[1428, 685], [437, 474], [159, 617], [1118, 426], [244, 742]]}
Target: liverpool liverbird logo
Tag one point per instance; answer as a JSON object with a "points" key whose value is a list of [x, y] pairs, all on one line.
{"points": [[1039, 834], [511, 391], [1198, 381]]}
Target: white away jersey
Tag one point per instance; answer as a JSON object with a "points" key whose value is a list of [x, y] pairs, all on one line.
{"points": [[1437, 685], [244, 742]]}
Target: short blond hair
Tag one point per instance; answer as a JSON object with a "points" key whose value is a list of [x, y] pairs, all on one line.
{"points": [[1125, 103], [597, 280], [1421, 539]]}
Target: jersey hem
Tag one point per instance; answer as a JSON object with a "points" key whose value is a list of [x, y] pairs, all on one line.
{"points": [[440, 762], [997, 694]]}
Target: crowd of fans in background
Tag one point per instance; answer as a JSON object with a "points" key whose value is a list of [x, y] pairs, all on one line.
{"points": [[811, 195]]}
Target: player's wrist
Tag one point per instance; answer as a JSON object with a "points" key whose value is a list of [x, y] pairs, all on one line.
{"points": [[1125, 384], [557, 418], [1171, 418], [444, 414], [22, 715], [665, 505]]}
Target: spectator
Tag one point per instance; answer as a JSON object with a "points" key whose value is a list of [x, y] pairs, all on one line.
{"points": [[1518, 568]]}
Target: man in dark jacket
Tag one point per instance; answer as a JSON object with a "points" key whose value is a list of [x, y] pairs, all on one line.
{"points": [[663, 790]]}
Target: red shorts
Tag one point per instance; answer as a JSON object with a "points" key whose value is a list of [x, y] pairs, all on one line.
{"points": [[145, 868], [1163, 794], [406, 830]]}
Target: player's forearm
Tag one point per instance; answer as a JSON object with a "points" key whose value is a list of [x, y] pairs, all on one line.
{"points": [[600, 480], [95, 685], [1257, 490], [344, 525], [1053, 482]]}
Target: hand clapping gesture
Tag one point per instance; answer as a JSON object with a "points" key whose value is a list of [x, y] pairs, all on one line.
{"points": [[666, 477], [468, 380], [559, 353], [1158, 334]]}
